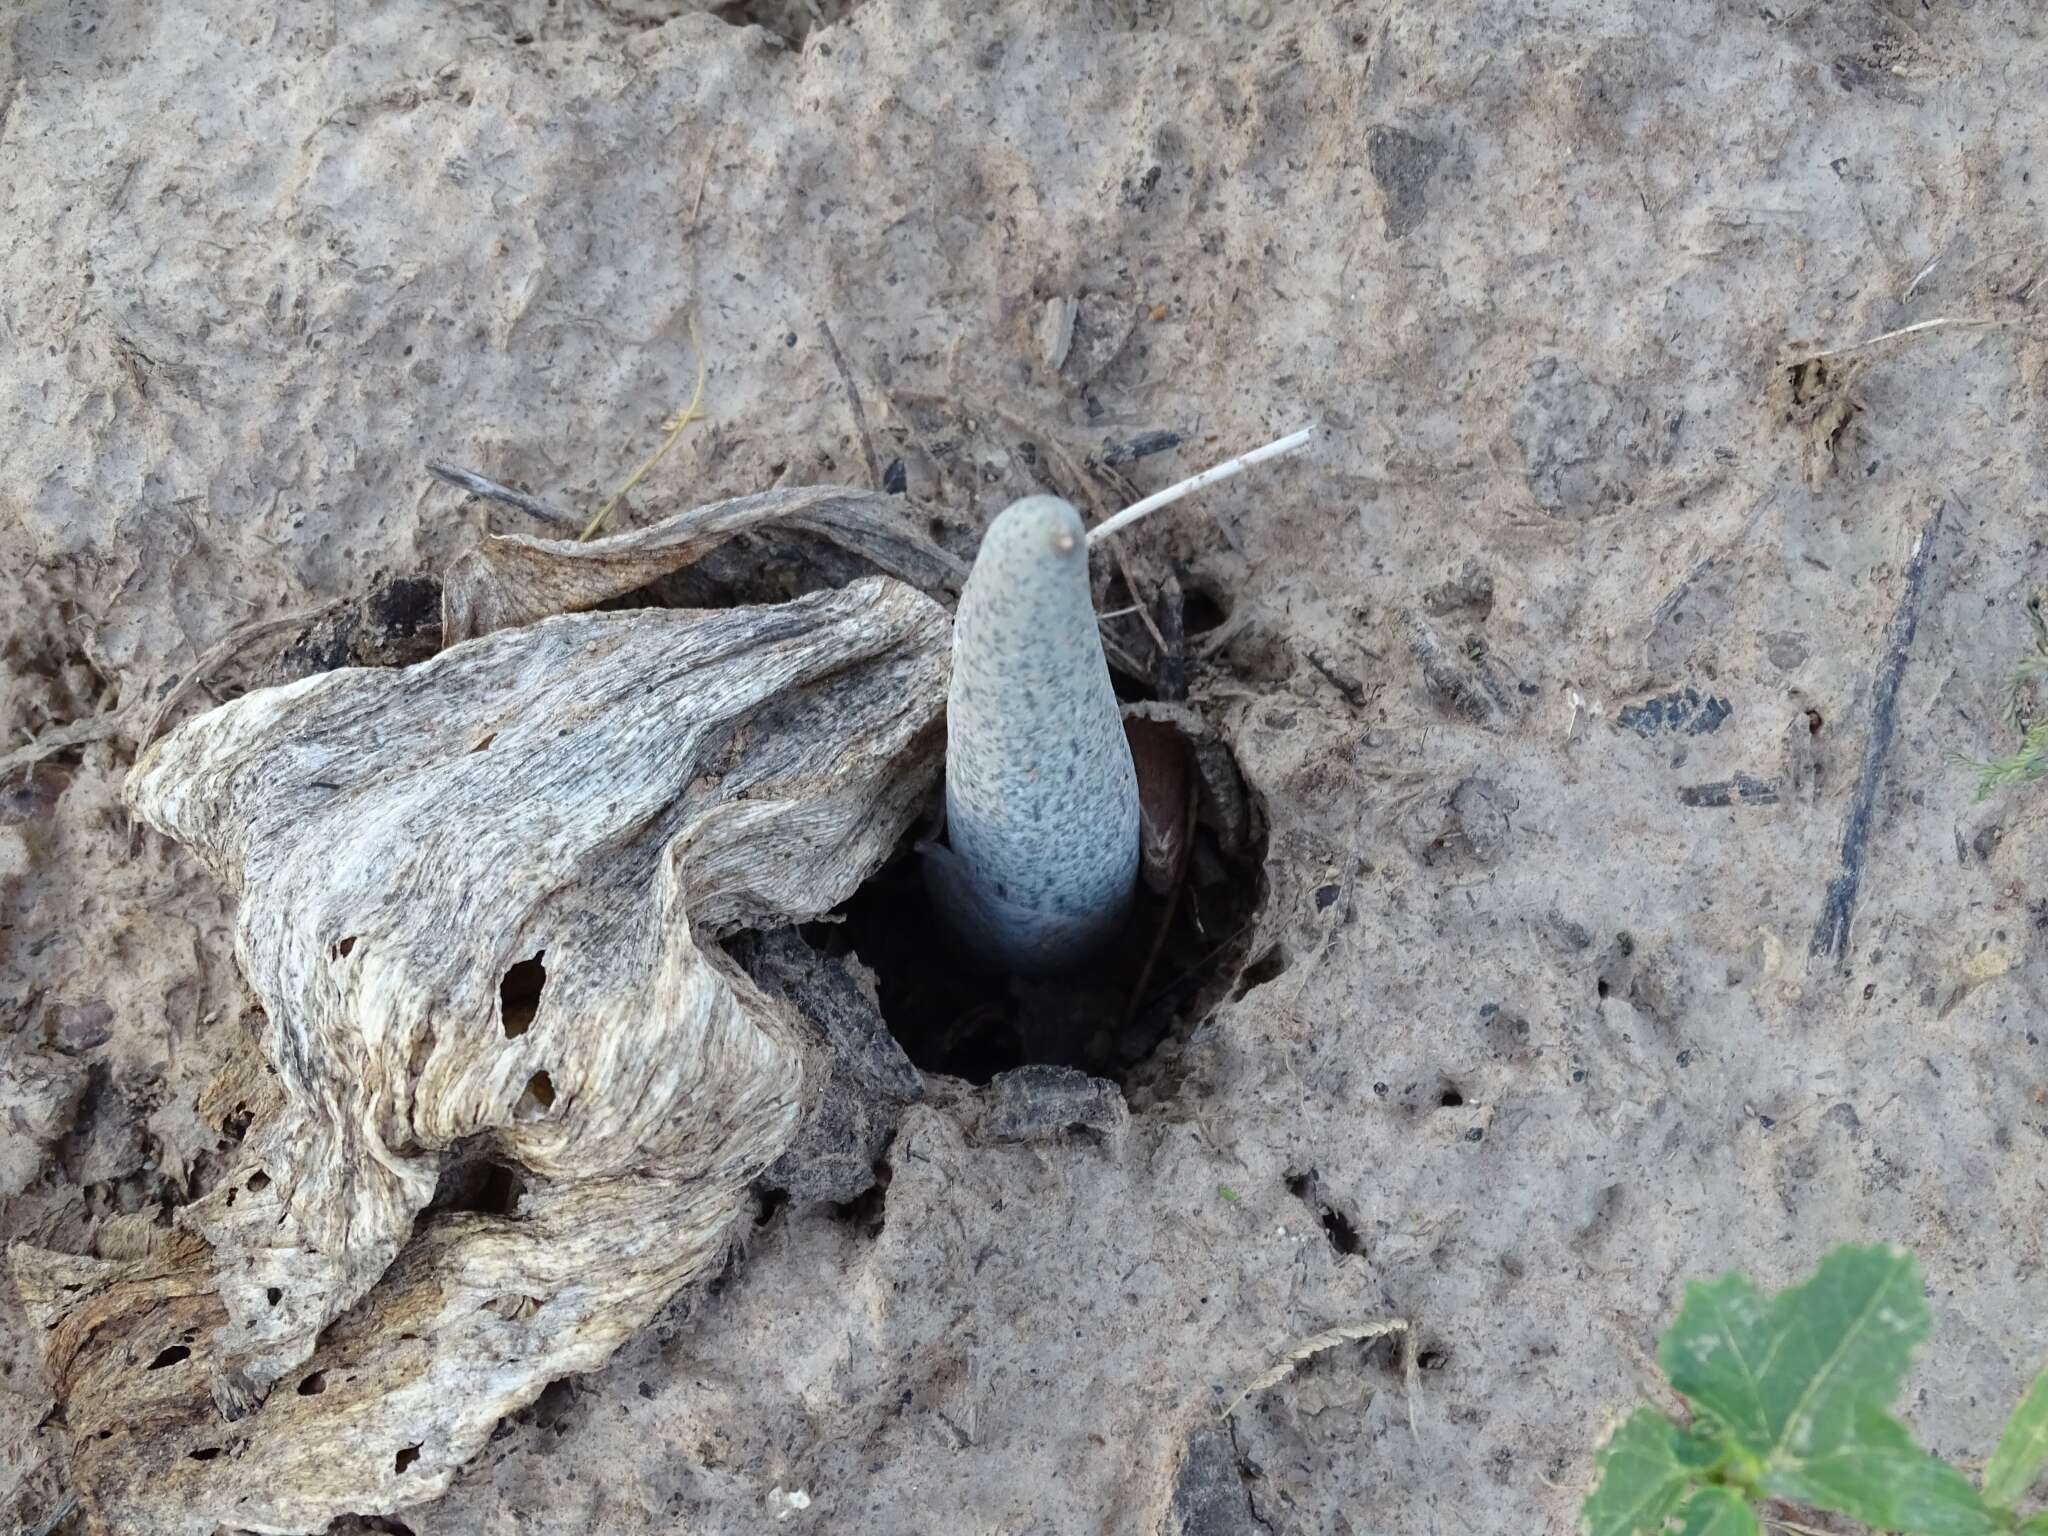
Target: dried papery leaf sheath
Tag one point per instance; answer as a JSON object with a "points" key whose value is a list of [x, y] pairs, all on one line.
{"points": [[1041, 797], [515, 578], [605, 791]]}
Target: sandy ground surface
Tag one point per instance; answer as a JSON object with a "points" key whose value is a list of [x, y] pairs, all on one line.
{"points": [[1553, 665]]}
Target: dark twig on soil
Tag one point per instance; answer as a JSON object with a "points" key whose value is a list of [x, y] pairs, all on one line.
{"points": [[1352, 689], [1144, 445], [1743, 789], [1831, 934], [860, 416], [55, 1518], [490, 490]]}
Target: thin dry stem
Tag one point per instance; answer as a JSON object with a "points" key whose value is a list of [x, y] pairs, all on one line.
{"points": [[61, 738], [681, 420], [860, 416], [1328, 1339], [490, 490], [1207, 477], [1940, 322]]}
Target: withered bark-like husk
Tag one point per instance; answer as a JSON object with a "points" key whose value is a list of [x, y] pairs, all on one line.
{"points": [[514, 579], [604, 791]]}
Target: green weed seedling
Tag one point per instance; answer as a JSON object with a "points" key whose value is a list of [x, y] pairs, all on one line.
{"points": [[1790, 1398]]}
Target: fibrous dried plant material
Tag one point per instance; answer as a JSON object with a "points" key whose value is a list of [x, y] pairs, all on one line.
{"points": [[1457, 687], [514, 579], [476, 900], [1816, 394]]}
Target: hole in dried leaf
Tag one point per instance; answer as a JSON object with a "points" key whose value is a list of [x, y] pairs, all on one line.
{"points": [[312, 1384], [519, 995], [170, 1356], [207, 1454], [258, 1182], [1175, 961], [343, 948]]}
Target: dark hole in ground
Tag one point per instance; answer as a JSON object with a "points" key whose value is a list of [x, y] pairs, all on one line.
{"points": [[1201, 611], [1450, 1098], [1342, 1234], [866, 1212], [791, 20], [519, 995], [1337, 1227], [171, 1356], [1105, 1019], [1268, 967], [207, 1454], [312, 1384], [406, 1457], [555, 1408]]}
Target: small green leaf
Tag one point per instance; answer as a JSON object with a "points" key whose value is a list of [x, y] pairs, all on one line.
{"points": [[1784, 1376], [1227, 1193], [1716, 1512], [1713, 1356], [1877, 1475], [1800, 1382], [1641, 1476], [2021, 1449], [2035, 1525]]}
